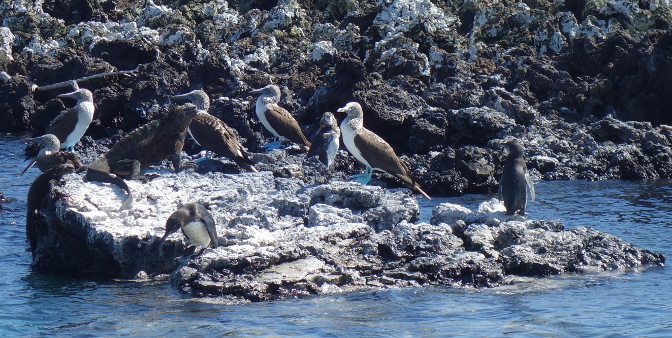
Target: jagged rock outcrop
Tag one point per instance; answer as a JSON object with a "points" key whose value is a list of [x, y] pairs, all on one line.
{"points": [[280, 238]]}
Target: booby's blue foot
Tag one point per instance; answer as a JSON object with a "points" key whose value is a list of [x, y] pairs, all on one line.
{"points": [[277, 142], [208, 156], [363, 178]]}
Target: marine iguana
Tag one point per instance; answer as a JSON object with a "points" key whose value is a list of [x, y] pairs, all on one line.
{"points": [[37, 193], [145, 146]]}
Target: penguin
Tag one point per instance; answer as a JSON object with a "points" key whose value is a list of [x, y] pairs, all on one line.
{"points": [[196, 223], [212, 133], [325, 142], [49, 156], [515, 182], [278, 120], [373, 151]]}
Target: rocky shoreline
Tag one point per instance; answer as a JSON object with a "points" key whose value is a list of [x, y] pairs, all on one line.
{"points": [[281, 238], [583, 86]]}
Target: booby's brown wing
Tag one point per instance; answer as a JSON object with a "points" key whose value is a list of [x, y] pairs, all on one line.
{"points": [[63, 124], [380, 155], [46, 162], [215, 135], [284, 124]]}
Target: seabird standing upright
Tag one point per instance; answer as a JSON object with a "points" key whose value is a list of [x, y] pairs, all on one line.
{"points": [[49, 155], [196, 223], [515, 182], [212, 133], [72, 123], [325, 143], [372, 150], [278, 120]]}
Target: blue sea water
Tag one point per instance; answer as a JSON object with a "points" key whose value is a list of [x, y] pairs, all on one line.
{"points": [[616, 304]]}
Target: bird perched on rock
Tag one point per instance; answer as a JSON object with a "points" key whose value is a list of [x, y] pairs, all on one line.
{"points": [[372, 151], [212, 133], [196, 223], [325, 143], [49, 156], [71, 124], [278, 120], [515, 183]]}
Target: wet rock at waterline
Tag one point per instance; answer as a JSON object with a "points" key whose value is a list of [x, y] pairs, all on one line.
{"points": [[281, 238]]}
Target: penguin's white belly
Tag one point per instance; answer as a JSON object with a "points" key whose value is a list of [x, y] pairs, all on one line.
{"points": [[197, 233], [331, 151]]}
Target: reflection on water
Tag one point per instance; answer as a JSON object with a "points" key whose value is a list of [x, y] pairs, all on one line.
{"points": [[614, 304]]}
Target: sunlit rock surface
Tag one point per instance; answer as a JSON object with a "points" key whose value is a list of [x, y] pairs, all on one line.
{"points": [[583, 85], [280, 238]]}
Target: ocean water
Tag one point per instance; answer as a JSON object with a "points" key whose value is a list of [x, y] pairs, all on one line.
{"points": [[615, 304]]}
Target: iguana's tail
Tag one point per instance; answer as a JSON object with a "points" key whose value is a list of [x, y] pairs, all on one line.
{"points": [[95, 175]]}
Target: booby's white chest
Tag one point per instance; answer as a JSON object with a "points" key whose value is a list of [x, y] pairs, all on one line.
{"points": [[197, 233], [84, 118], [349, 133], [262, 106]]}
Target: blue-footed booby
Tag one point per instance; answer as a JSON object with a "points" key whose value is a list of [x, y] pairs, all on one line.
{"points": [[515, 183], [372, 151], [72, 123], [49, 155], [278, 120], [325, 143], [196, 223], [212, 133]]}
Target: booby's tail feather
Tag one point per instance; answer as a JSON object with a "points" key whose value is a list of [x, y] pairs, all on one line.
{"points": [[412, 183], [32, 163]]}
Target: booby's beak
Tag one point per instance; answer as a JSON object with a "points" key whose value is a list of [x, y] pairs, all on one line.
{"points": [[30, 140], [342, 110], [257, 91], [68, 95], [186, 96]]}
